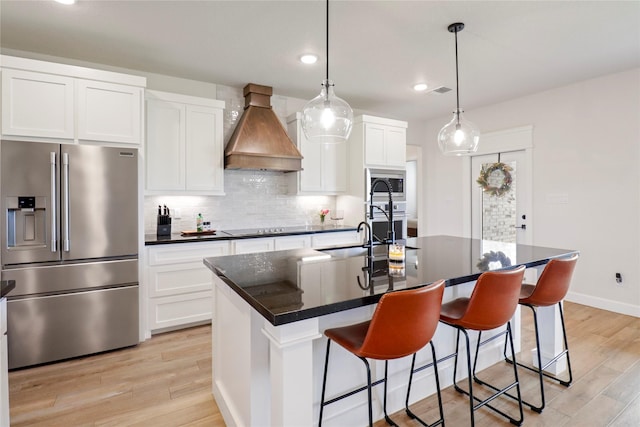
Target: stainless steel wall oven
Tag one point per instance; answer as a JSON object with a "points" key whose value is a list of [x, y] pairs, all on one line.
{"points": [[380, 224]]}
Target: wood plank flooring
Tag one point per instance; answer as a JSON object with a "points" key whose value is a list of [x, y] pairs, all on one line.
{"points": [[166, 381]]}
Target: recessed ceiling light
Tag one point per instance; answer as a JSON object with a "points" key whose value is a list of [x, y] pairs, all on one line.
{"points": [[420, 87], [309, 58], [67, 2]]}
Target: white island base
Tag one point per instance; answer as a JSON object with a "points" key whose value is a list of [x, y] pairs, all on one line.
{"points": [[265, 375]]}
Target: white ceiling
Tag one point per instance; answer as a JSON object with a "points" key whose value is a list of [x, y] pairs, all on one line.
{"points": [[378, 49]]}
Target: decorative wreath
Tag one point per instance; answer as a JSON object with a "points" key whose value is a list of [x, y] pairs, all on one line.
{"points": [[507, 180], [492, 256]]}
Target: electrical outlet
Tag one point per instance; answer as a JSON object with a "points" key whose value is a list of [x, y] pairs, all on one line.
{"points": [[619, 279], [177, 213]]}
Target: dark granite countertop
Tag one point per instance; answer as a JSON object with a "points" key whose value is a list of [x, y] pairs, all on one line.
{"points": [[6, 286], [288, 286], [152, 239]]}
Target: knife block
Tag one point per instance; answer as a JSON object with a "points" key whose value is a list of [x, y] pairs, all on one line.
{"points": [[164, 225]]}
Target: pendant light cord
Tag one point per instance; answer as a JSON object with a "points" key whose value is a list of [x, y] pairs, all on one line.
{"points": [[457, 83], [327, 44]]}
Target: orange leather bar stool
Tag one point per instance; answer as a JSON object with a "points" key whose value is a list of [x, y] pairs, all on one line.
{"points": [[551, 288], [403, 323], [491, 305]]}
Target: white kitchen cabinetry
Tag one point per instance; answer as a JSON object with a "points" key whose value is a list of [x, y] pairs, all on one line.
{"points": [[378, 142], [178, 283], [292, 242], [36, 104], [342, 238], [324, 165], [55, 101], [4, 366], [248, 246], [184, 152], [109, 112]]}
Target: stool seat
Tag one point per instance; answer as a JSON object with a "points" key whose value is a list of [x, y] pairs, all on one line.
{"points": [[403, 323]]}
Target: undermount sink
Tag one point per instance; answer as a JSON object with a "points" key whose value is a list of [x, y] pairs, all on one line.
{"points": [[379, 251]]}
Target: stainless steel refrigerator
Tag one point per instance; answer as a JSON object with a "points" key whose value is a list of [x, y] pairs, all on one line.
{"points": [[69, 240]]}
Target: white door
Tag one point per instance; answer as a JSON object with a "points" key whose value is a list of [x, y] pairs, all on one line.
{"points": [[503, 212]]}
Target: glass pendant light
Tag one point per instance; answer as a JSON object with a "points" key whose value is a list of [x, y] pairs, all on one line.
{"points": [[459, 136], [327, 118]]}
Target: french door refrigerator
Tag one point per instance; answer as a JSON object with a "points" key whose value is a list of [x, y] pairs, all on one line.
{"points": [[69, 240]]}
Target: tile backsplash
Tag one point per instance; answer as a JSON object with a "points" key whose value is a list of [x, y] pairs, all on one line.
{"points": [[254, 199]]}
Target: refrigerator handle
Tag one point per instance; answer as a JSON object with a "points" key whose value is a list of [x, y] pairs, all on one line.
{"points": [[65, 210], [54, 243]]}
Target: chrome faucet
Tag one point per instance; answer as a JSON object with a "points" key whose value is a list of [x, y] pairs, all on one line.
{"points": [[391, 234]]}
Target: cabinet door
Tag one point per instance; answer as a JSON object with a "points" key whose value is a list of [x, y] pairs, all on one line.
{"points": [[165, 151], [35, 104], [247, 246], [374, 137], [334, 167], [311, 173], [109, 112], [175, 279], [204, 151], [396, 147]]}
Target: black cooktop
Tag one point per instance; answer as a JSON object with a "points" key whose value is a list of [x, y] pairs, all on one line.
{"points": [[274, 230]]}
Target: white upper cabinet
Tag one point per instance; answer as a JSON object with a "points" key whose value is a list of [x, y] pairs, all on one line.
{"points": [[324, 165], [109, 112], [385, 146], [44, 100], [375, 142], [36, 104], [184, 152]]}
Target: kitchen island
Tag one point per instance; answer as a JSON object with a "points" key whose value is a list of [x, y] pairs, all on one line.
{"points": [[271, 309]]}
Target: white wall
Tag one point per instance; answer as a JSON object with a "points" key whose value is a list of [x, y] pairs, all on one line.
{"points": [[586, 139]]}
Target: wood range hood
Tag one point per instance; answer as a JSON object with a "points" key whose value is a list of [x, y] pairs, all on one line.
{"points": [[259, 140]]}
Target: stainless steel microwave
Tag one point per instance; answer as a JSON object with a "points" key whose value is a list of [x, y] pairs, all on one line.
{"points": [[396, 180]]}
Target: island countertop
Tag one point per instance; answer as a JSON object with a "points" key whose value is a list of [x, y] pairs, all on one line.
{"points": [[293, 285]]}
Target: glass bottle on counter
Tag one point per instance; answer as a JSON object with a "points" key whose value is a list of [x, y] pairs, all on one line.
{"points": [[199, 223]]}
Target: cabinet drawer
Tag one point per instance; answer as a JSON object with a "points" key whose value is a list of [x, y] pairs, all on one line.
{"points": [[344, 238], [174, 279], [186, 252], [292, 242], [179, 310], [247, 246]]}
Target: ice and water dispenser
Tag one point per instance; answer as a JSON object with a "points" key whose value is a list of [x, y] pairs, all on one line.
{"points": [[26, 222]]}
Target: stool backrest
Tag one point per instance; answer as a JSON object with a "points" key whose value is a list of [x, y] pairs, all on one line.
{"points": [[494, 299], [553, 284], [403, 322]]}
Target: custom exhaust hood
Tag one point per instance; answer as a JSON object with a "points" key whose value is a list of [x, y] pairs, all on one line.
{"points": [[259, 140]]}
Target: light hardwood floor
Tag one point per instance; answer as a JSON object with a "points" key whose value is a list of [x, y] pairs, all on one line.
{"points": [[166, 381]]}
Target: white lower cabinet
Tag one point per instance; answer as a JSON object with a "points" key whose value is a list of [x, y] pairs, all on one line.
{"points": [[4, 366], [179, 284], [292, 242], [248, 246], [342, 238]]}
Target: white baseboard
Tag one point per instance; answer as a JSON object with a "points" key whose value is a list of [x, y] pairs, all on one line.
{"points": [[604, 304]]}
